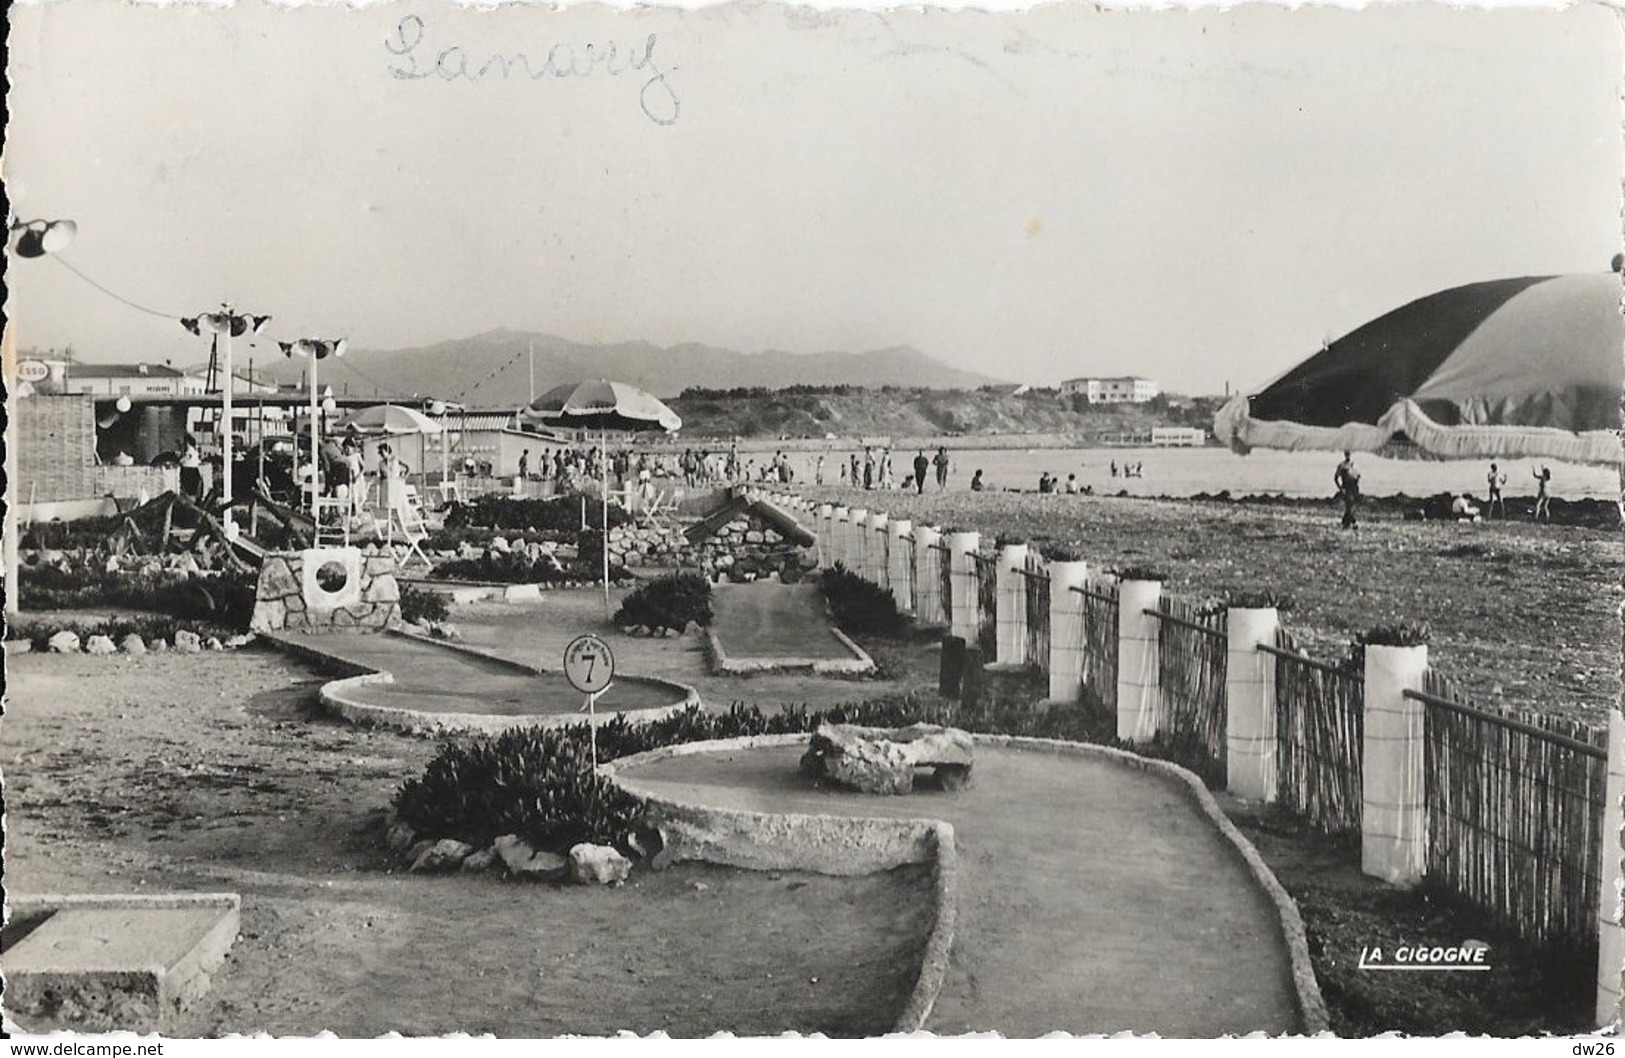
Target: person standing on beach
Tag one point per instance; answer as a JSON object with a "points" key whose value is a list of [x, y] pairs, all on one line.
{"points": [[1495, 480], [1543, 502], [868, 467], [1347, 480], [818, 471], [941, 461], [920, 466]]}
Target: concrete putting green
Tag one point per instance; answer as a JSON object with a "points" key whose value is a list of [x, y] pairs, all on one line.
{"points": [[767, 625], [1093, 896]]}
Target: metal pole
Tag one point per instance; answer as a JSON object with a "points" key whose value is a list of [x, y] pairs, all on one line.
{"points": [[225, 438], [603, 476], [315, 450]]}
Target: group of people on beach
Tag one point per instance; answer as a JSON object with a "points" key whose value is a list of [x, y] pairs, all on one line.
{"points": [[1130, 470], [874, 470], [1462, 507]]}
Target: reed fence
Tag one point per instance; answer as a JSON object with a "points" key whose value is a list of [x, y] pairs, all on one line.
{"points": [[1319, 731], [1036, 574], [1193, 650], [941, 556], [985, 568], [1100, 640], [1515, 806]]}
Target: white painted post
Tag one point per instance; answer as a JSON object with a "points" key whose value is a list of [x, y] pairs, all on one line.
{"points": [[826, 527], [962, 582], [1010, 591], [842, 522], [898, 565], [1066, 612], [1139, 668], [928, 607], [1393, 811], [859, 549], [1249, 691], [879, 554], [1610, 936]]}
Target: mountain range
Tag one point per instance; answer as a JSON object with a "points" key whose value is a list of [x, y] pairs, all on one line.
{"points": [[493, 369]]}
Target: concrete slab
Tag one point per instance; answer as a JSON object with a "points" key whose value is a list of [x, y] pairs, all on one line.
{"points": [[116, 962]]}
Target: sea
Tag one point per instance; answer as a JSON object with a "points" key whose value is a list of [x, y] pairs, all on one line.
{"points": [[1189, 471]]}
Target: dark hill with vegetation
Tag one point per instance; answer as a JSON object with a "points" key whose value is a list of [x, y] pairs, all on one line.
{"points": [[895, 411]]}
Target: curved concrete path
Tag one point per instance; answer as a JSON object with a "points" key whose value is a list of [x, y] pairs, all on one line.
{"points": [[1093, 896]]}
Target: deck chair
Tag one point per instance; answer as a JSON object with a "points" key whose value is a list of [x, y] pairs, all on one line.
{"points": [[333, 521], [405, 522]]}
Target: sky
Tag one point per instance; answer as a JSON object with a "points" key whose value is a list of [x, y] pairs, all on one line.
{"points": [[1199, 198]]}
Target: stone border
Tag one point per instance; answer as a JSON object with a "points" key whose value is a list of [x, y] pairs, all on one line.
{"points": [[859, 663], [712, 833], [336, 698], [799, 841]]}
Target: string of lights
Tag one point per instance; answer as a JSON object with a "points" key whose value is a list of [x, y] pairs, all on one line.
{"points": [[114, 294]]}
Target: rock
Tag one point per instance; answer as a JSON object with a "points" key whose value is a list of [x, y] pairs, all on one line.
{"points": [[443, 855], [133, 644], [187, 642], [445, 630], [212, 644], [481, 860], [598, 865], [416, 851], [100, 645], [241, 640], [753, 537], [400, 837], [277, 579], [882, 760], [525, 862], [500, 543], [63, 642], [157, 646], [19, 646]]}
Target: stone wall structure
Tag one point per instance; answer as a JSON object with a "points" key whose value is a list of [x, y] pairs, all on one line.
{"points": [[293, 597]]}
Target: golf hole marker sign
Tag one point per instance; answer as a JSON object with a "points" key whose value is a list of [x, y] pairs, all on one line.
{"points": [[589, 665]]}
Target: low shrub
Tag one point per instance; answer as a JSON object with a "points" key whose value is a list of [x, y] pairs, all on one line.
{"points": [[224, 598], [419, 605], [1260, 599], [559, 514], [1139, 573], [505, 567], [861, 607], [669, 602]]}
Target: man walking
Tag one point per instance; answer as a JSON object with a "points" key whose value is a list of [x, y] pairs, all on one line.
{"points": [[942, 467], [921, 465], [1347, 480]]}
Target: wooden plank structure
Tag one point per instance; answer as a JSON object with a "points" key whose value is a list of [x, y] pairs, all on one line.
{"points": [[1193, 659], [1320, 730]]}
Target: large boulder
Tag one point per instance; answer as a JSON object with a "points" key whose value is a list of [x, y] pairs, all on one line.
{"points": [[523, 861], [444, 855], [100, 645], [63, 642], [133, 644], [598, 865], [188, 642], [882, 760]]}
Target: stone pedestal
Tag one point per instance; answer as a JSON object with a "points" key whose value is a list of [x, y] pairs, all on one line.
{"points": [[899, 564], [1066, 616], [1010, 589], [928, 590], [962, 608]]}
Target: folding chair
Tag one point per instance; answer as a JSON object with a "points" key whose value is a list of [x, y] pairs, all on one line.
{"points": [[406, 512], [333, 521]]}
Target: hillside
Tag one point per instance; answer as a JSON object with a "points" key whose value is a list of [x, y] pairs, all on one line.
{"points": [[916, 412], [493, 369]]}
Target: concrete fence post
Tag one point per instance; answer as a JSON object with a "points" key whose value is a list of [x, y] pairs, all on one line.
{"points": [[1066, 615], [1010, 618], [839, 553], [1139, 663], [898, 564], [859, 538], [879, 553], [1610, 935], [1249, 693], [826, 525], [1393, 811], [962, 607], [928, 606]]}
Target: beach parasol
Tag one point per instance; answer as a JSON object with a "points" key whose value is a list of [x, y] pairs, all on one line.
{"points": [[601, 406], [1511, 368], [388, 419]]}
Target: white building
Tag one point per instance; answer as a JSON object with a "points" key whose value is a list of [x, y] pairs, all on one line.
{"points": [[1126, 389], [1178, 436]]}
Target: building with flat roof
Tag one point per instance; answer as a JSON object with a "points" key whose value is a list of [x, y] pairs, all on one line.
{"points": [[1123, 389]]}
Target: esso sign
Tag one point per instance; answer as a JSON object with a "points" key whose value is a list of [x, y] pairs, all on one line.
{"points": [[33, 371]]}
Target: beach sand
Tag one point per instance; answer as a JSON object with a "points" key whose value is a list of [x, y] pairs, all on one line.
{"points": [[1522, 615]]}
